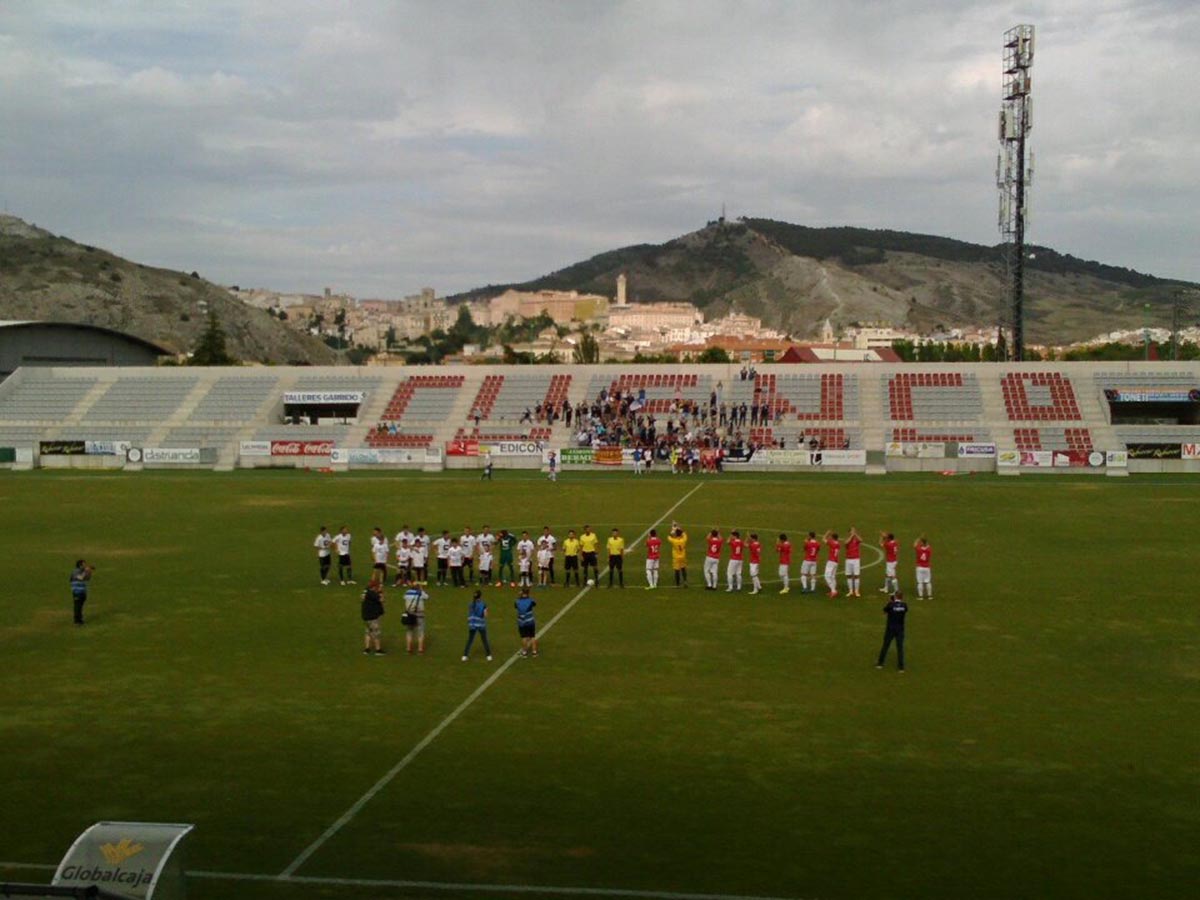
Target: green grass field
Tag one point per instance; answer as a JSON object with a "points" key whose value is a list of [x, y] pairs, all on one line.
{"points": [[1043, 743]]}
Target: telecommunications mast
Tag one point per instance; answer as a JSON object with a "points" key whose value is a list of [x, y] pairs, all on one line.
{"points": [[1013, 174]]}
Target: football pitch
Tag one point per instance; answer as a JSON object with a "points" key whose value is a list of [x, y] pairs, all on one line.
{"points": [[1042, 743]]}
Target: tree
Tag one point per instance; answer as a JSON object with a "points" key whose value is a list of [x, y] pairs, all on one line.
{"points": [[210, 349], [713, 355], [587, 351]]}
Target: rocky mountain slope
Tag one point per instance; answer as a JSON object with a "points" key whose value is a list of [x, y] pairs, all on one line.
{"points": [[46, 277], [795, 277]]}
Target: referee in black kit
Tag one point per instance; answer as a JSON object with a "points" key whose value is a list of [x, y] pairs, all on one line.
{"points": [[896, 609]]}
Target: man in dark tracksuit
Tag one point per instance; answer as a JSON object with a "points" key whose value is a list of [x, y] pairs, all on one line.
{"points": [[896, 609], [79, 587]]}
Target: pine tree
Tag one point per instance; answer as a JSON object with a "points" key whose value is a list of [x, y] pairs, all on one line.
{"points": [[210, 349]]}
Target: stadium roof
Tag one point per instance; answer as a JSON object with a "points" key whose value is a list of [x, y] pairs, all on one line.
{"points": [[110, 332]]}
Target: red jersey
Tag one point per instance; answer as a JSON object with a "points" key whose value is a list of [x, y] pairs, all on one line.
{"points": [[923, 556], [890, 550], [812, 548], [835, 549], [735, 548], [653, 547], [755, 551], [853, 548], [784, 549], [714, 547]]}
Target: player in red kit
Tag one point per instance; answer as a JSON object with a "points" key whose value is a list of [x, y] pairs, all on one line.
{"points": [[712, 560], [733, 571], [891, 554], [834, 547], [653, 554], [808, 568], [784, 548], [853, 563], [754, 549], [924, 570]]}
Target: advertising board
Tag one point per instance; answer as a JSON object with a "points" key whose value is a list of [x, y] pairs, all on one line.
{"points": [[977, 451], [184, 455], [254, 448], [462, 447], [324, 398], [608, 456], [62, 448], [513, 448], [301, 448], [1155, 451], [1189, 451], [1116, 459], [576, 456]]}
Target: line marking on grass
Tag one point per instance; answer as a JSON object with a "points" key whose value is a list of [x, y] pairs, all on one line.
{"points": [[483, 888], [6, 864], [412, 754]]}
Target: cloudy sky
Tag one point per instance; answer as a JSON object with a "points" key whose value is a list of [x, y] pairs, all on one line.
{"points": [[377, 147]]}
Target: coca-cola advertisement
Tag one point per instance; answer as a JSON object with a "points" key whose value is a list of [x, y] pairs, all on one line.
{"points": [[301, 448]]}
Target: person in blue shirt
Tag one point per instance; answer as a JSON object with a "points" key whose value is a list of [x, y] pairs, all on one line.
{"points": [[477, 625], [80, 577], [895, 609], [526, 626]]}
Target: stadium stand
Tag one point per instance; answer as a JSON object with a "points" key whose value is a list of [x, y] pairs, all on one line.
{"points": [[1039, 396], [1037, 407]]}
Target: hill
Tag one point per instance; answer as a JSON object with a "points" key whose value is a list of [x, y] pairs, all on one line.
{"points": [[43, 276], [794, 277]]}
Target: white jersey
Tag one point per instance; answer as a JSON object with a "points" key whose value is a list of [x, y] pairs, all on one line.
{"points": [[486, 541], [485, 560], [455, 555], [341, 541], [442, 546], [404, 553], [402, 536], [322, 543], [467, 542], [550, 541], [543, 557], [525, 548], [419, 554], [379, 549]]}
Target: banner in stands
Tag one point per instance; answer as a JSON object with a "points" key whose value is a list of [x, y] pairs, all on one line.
{"points": [[576, 456], [1152, 395], [324, 398], [608, 456], [254, 448], [1190, 451], [1077, 459], [106, 448], [62, 448], [916, 450], [1037, 459], [1008, 458], [812, 457], [513, 448], [462, 448], [386, 456], [168, 455], [1155, 451], [1116, 459], [301, 448], [977, 450]]}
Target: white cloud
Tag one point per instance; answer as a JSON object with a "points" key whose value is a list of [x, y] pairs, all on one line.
{"points": [[382, 146]]}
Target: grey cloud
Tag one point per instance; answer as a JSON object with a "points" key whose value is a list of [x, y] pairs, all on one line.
{"points": [[380, 147]]}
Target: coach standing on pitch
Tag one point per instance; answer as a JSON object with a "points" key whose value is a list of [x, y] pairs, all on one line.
{"points": [[79, 587], [895, 609]]}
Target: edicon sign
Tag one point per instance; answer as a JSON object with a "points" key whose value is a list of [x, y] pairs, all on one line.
{"points": [[131, 858]]}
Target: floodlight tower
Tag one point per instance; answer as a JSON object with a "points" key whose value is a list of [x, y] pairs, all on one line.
{"points": [[1014, 174]]}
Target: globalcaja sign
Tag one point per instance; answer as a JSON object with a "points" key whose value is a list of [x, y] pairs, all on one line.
{"points": [[129, 858]]}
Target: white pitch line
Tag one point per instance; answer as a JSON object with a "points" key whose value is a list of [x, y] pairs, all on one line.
{"points": [[446, 722], [484, 888]]}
